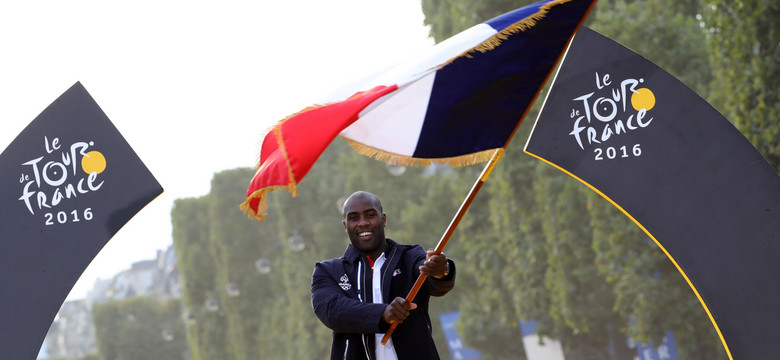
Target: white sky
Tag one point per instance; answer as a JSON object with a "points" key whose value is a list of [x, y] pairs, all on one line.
{"points": [[192, 85]]}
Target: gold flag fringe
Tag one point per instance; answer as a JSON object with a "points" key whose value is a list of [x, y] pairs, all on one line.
{"points": [[292, 186], [278, 126], [522, 25], [262, 206], [283, 149], [402, 160]]}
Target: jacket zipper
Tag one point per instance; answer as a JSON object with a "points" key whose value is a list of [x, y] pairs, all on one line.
{"points": [[362, 281], [384, 274]]}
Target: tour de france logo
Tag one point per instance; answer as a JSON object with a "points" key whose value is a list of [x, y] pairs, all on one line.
{"points": [[616, 107], [61, 173]]}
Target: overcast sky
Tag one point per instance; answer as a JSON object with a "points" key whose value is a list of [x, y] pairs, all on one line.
{"points": [[192, 85]]}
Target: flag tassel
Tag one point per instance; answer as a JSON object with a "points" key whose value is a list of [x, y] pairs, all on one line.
{"points": [[395, 159]]}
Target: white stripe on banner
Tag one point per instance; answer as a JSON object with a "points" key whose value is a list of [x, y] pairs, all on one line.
{"points": [[435, 56], [412, 69], [406, 107]]}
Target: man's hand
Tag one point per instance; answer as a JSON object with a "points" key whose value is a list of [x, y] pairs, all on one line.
{"points": [[397, 311], [435, 265]]}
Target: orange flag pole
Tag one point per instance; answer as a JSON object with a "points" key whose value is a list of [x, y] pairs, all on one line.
{"points": [[450, 230]]}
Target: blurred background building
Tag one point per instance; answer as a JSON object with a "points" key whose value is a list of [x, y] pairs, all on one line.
{"points": [[72, 334]]}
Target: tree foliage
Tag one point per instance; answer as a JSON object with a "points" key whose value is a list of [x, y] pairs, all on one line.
{"points": [[743, 42], [140, 328], [197, 266]]}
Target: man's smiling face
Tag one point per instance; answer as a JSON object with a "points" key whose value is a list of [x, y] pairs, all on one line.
{"points": [[364, 223]]}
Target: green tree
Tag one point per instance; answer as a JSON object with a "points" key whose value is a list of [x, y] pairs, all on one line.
{"points": [[237, 244], [744, 50], [666, 32], [140, 328], [197, 269], [449, 17], [86, 357]]}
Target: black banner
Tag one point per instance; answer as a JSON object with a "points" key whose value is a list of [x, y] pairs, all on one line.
{"points": [[70, 181], [682, 172]]}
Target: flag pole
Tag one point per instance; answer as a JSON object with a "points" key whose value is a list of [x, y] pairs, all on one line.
{"points": [[481, 180], [450, 230]]}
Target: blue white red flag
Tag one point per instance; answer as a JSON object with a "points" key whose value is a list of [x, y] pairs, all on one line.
{"points": [[457, 104]]}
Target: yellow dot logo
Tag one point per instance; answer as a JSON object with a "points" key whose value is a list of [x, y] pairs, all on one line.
{"points": [[643, 99], [94, 161]]}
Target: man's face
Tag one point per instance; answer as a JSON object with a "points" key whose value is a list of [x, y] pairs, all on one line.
{"points": [[364, 223]]}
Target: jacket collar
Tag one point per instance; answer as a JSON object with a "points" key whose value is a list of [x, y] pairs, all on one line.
{"points": [[352, 255]]}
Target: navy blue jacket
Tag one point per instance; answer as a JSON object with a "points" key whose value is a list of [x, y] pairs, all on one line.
{"points": [[353, 316]]}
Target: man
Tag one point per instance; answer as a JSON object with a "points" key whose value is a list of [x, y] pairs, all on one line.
{"points": [[360, 294]]}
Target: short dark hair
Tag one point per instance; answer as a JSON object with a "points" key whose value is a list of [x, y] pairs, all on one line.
{"points": [[361, 194]]}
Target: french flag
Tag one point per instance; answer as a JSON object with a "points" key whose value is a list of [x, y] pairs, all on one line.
{"points": [[457, 104]]}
